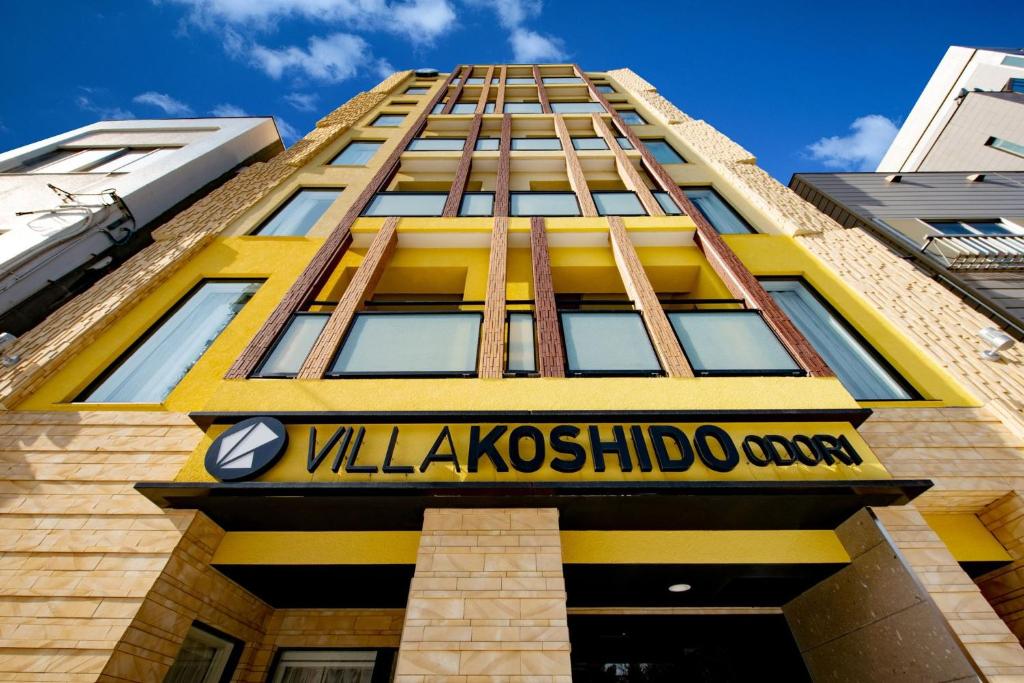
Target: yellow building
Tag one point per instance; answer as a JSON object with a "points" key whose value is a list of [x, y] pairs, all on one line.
{"points": [[515, 373]]}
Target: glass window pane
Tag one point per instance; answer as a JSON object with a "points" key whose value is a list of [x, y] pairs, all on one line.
{"points": [[544, 204], [1007, 146], [406, 204], [489, 108], [388, 120], [632, 118], [860, 372], [357, 153], [618, 204], [464, 108], [719, 214], [78, 161], [477, 204], [730, 341], [989, 227], [149, 372], [605, 89], [576, 107], [488, 144], [589, 143], [474, 81], [522, 108], [325, 666], [521, 352], [416, 91], [295, 344], [663, 152], [536, 143], [1016, 85], [300, 214], [519, 81], [438, 108], [624, 143], [202, 658], [668, 205], [437, 144], [401, 343], [950, 227], [122, 161], [608, 342], [555, 80]]}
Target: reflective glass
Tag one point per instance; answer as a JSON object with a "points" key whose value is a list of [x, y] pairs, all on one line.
{"points": [[488, 144], [668, 205], [624, 143], [357, 153], [857, 368], [589, 143], [436, 145], [148, 373], [605, 89], [295, 344], [416, 91], [389, 120], [474, 81], [519, 81], [464, 108], [477, 204], [618, 204], [719, 214], [555, 80], [1007, 146], [521, 351], [632, 118], [489, 108], [730, 342], [663, 152], [299, 214], [536, 144], [406, 204], [608, 342], [409, 343], [202, 657], [438, 108], [544, 204], [576, 107], [522, 108]]}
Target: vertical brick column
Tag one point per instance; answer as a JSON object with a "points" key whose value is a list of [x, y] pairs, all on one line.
{"points": [[458, 188], [577, 179], [503, 175], [499, 100], [361, 286], [550, 351], [627, 172], [492, 344], [487, 601], [639, 289], [1004, 587], [463, 77], [485, 91], [542, 92]]}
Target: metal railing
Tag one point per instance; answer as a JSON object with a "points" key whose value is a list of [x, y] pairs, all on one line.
{"points": [[977, 252]]}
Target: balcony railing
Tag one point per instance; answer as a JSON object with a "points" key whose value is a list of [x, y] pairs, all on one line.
{"points": [[977, 252]]}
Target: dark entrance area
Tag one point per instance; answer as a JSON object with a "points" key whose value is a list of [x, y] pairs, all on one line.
{"points": [[662, 648]]}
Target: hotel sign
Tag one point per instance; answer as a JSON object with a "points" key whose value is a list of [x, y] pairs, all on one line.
{"points": [[263, 447]]}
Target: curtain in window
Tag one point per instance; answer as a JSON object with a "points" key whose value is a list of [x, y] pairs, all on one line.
{"points": [[861, 374]]}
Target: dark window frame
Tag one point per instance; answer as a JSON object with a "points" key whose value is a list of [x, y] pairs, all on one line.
{"points": [[512, 143], [383, 665], [235, 656], [579, 210], [968, 221], [682, 159], [643, 211], [569, 372], [631, 110], [255, 232], [473, 194], [743, 219], [350, 143], [374, 124], [409, 149], [258, 372], [508, 332], [797, 372], [363, 214]]}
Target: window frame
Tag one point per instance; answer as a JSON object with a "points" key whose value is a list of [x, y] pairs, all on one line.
{"points": [[513, 141], [255, 232], [350, 143], [462, 202], [569, 372], [383, 664], [851, 329], [623, 112], [972, 231], [408, 91], [382, 115], [743, 219], [1010, 147], [476, 145], [540, 109], [797, 372], [682, 159], [414, 374], [590, 149], [508, 334], [363, 214], [596, 193], [409, 148], [234, 655], [600, 107], [579, 210], [258, 372]]}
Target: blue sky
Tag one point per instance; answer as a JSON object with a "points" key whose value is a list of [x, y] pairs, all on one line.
{"points": [[803, 85]]}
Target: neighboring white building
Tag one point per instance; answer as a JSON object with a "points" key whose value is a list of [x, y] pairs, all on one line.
{"points": [[74, 205], [970, 116]]}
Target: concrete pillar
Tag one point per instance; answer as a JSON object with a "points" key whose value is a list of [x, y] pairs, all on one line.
{"points": [[1004, 587], [487, 601]]}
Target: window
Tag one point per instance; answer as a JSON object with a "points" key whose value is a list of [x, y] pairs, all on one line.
{"points": [[100, 160], [357, 153], [488, 144], [983, 226], [544, 204], [205, 657], [576, 107], [331, 666], [489, 108], [474, 81], [388, 121], [522, 108], [618, 204], [663, 152], [632, 118], [1015, 85], [864, 375], [731, 343], [148, 372], [294, 345], [438, 108], [129, 160], [520, 81], [416, 91], [406, 204], [477, 204], [436, 145], [1010, 60], [464, 108], [717, 211], [299, 214], [624, 143], [589, 143], [439, 344], [522, 355], [605, 89], [523, 144], [557, 80], [668, 205], [1013, 148], [608, 343]]}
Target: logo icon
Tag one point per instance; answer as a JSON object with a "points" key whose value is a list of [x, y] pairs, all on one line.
{"points": [[247, 449]]}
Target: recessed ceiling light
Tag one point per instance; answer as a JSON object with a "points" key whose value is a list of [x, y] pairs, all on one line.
{"points": [[679, 588]]}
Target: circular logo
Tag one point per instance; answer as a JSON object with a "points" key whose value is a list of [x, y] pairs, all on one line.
{"points": [[247, 449]]}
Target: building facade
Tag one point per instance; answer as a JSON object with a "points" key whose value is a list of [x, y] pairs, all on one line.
{"points": [[511, 373], [964, 230], [76, 205], [970, 116]]}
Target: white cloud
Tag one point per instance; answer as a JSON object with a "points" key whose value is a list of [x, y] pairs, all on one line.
{"points": [[168, 104], [228, 110], [331, 59], [511, 13], [287, 131], [303, 101], [530, 46], [104, 113], [862, 149]]}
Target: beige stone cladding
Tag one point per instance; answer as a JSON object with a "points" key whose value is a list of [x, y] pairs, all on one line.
{"points": [[1004, 587], [80, 321], [487, 601]]}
